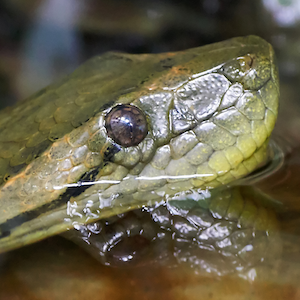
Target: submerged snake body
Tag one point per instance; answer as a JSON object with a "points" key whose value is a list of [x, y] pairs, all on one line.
{"points": [[209, 113]]}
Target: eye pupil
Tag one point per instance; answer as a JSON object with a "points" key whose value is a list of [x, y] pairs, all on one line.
{"points": [[126, 125]]}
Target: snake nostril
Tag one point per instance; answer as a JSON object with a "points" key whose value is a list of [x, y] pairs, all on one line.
{"points": [[126, 125]]}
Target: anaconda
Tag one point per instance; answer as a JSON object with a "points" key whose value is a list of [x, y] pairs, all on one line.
{"points": [[127, 131]]}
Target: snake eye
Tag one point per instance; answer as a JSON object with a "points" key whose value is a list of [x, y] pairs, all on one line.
{"points": [[126, 125]]}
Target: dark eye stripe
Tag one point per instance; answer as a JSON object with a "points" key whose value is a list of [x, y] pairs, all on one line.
{"points": [[19, 220], [126, 125]]}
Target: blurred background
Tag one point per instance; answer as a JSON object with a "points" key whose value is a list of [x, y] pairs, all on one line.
{"points": [[43, 40]]}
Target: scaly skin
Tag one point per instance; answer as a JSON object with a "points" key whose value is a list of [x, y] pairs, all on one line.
{"points": [[210, 112]]}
